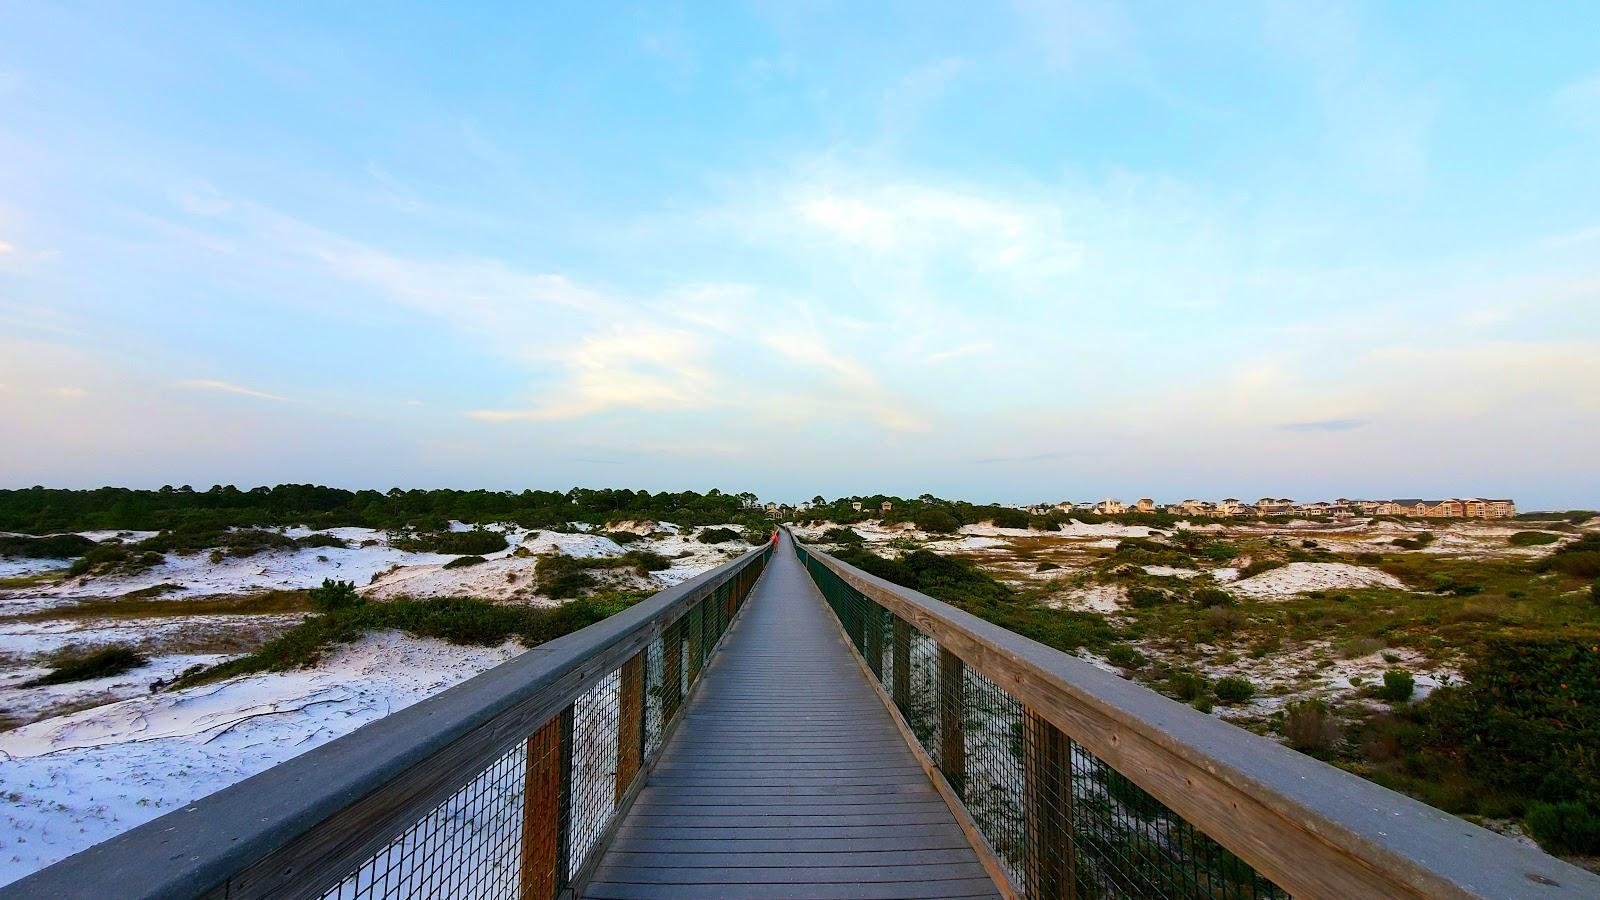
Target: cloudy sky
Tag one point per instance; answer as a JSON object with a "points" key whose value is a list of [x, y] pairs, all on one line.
{"points": [[1045, 250]]}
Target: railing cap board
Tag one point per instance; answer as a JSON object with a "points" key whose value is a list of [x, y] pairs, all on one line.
{"points": [[196, 849], [1360, 825]]}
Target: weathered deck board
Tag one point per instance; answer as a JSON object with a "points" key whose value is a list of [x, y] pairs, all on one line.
{"points": [[786, 780]]}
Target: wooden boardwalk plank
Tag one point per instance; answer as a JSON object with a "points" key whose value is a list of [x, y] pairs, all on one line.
{"points": [[786, 780]]}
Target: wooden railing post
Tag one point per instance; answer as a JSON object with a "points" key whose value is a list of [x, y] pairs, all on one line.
{"points": [[902, 665], [952, 738], [1051, 861], [630, 722], [547, 809]]}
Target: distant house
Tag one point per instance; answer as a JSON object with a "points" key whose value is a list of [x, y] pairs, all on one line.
{"points": [[885, 506], [1145, 505], [1445, 509], [1109, 507], [1228, 508], [1194, 508], [1499, 509], [855, 505], [1273, 506], [772, 509]]}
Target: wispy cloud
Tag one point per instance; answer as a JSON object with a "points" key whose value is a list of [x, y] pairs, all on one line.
{"points": [[228, 387]]}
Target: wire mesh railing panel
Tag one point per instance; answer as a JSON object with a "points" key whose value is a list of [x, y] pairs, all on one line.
{"points": [[468, 846], [533, 819], [1060, 821]]}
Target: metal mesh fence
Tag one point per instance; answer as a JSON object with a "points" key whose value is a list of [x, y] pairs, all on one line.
{"points": [[527, 823], [1062, 822]]}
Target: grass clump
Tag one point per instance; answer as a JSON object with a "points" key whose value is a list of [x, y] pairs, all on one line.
{"points": [[462, 562], [83, 665], [843, 535], [717, 536]]}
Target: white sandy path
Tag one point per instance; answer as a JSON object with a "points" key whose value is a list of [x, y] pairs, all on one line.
{"points": [[76, 780], [1299, 577]]}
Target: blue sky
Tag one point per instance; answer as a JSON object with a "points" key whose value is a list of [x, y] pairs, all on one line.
{"points": [[1026, 251]]}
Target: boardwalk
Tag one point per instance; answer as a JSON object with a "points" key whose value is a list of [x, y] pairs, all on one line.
{"points": [[787, 779]]}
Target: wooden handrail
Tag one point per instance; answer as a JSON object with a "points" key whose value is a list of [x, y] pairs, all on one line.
{"points": [[299, 827], [1313, 829]]}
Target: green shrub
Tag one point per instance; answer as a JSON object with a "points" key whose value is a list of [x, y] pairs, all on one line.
{"points": [[717, 536], [1524, 724], [334, 595], [1532, 538], [561, 577], [1416, 542], [55, 546], [1143, 596], [936, 520], [1219, 551], [77, 665], [478, 541], [1309, 726], [1368, 558], [1046, 567], [1187, 686], [644, 561], [1208, 597], [1004, 517], [623, 537], [1582, 564], [1124, 656], [1204, 703], [1233, 689], [1257, 566], [322, 540], [1398, 686], [1594, 591], [1565, 827], [112, 554], [462, 562]]}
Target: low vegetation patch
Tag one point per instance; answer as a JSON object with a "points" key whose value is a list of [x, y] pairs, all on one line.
{"points": [[717, 536], [562, 577], [84, 665], [478, 541], [962, 584], [54, 546], [462, 562], [458, 620], [130, 607]]}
